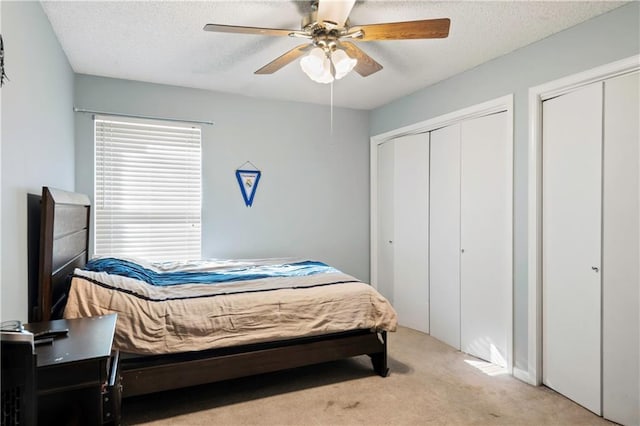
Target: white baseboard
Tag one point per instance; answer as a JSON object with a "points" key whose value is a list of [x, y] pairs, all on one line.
{"points": [[523, 375]]}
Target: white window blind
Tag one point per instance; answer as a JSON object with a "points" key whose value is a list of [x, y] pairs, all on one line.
{"points": [[147, 189]]}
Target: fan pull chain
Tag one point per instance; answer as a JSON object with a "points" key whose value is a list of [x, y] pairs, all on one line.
{"points": [[333, 74], [331, 128]]}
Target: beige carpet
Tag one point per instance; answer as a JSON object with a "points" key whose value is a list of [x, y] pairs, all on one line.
{"points": [[430, 383]]}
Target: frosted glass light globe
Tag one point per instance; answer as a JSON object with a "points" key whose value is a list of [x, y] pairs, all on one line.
{"points": [[343, 63], [317, 66]]}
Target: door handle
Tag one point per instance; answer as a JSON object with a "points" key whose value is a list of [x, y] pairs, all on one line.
{"points": [[595, 268]]}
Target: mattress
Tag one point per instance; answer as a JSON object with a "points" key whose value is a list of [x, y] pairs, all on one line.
{"points": [[257, 307]]}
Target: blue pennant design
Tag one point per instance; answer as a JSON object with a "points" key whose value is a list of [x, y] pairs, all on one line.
{"points": [[248, 181]]}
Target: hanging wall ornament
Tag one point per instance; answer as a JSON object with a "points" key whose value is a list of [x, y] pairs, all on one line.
{"points": [[248, 181]]}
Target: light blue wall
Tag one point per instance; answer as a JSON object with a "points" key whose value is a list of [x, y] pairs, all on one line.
{"points": [[604, 39], [313, 197], [37, 136]]}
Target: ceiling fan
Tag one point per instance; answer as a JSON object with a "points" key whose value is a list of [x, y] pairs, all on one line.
{"points": [[332, 54]]}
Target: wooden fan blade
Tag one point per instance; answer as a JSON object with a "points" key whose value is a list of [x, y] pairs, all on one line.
{"points": [[429, 28], [335, 11], [285, 59], [248, 30], [366, 65]]}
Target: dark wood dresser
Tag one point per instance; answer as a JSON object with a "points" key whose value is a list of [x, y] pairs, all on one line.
{"points": [[77, 374]]}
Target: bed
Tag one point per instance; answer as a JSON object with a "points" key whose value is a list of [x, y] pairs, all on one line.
{"points": [[145, 368]]}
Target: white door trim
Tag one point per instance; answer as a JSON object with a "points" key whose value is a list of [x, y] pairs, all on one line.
{"points": [[504, 103], [537, 95]]}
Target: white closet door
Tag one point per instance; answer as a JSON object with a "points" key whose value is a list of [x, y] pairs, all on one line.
{"points": [[385, 219], [620, 275], [486, 238], [444, 235], [411, 231], [571, 244]]}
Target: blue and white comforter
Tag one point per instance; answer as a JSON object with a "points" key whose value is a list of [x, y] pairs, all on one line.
{"points": [[185, 306]]}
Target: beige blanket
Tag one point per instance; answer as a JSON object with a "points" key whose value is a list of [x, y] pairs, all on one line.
{"points": [[191, 317]]}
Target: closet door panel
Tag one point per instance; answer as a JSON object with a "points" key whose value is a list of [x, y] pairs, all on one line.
{"points": [[385, 219], [620, 275], [444, 235], [411, 231], [571, 244], [486, 237]]}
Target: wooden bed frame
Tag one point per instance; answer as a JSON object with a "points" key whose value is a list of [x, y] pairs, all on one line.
{"points": [[64, 243]]}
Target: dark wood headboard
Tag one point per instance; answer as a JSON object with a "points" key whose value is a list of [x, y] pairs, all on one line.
{"points": [[64, 246]]}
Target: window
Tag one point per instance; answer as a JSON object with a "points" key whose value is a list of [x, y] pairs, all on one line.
{"points": [[147, 189]]}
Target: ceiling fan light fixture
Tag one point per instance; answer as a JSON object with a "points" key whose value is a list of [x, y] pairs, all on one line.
{"points": [[317, 64]]}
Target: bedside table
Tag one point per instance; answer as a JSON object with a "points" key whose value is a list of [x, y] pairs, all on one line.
{"points": [[77, 373]]}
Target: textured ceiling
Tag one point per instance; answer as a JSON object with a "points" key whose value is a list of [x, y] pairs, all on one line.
{"points": [[163, 42]]}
